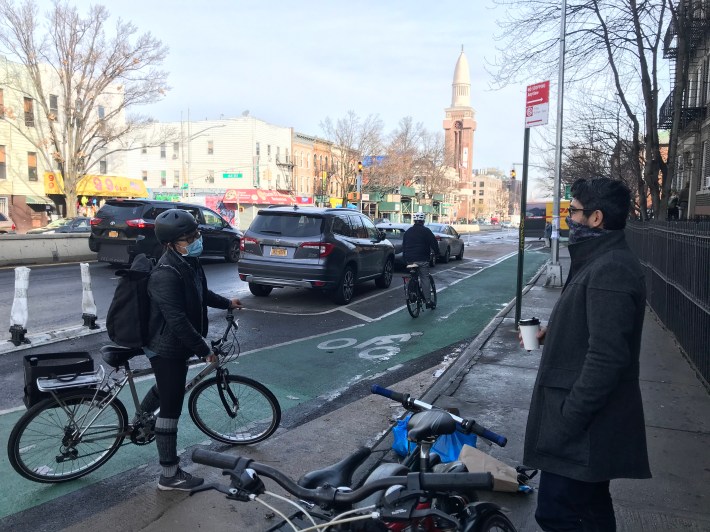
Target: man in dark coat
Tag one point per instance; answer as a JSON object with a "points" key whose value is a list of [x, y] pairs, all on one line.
{"points": [[586, 423], [418, 243]]}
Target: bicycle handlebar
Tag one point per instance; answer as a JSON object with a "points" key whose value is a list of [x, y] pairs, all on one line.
{"points": [[237, 466], [232, 323], [468, 425]]}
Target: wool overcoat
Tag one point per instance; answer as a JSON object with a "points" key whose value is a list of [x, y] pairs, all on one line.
{"points": [[586, 418]]}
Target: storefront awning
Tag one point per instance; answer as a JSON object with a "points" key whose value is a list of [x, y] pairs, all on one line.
{"points": [[255, 196], [106, 186], [37, 200]]}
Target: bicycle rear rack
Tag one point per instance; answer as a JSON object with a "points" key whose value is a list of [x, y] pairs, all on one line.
{"points": [[60, 382]]}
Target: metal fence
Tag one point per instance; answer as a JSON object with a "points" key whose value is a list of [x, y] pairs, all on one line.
{"points": [[676, 257]]}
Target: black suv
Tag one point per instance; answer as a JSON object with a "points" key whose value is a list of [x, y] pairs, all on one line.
{"points": [[124, 228], [309, 247]]}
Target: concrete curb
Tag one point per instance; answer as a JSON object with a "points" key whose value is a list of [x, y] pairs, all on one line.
{"points": [[45, 338]]}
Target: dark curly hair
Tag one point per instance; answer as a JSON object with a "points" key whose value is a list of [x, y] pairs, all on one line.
{"points": [[610, 196]]}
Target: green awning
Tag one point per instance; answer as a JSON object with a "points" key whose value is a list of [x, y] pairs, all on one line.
{"points": [[38, 200]]}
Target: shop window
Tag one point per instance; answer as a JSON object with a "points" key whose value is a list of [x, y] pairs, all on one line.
{"points": [[32, 165], [29, 112]]}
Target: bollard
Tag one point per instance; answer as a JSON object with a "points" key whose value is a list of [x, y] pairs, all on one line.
{"points": [[88, 306], [18, 313]]}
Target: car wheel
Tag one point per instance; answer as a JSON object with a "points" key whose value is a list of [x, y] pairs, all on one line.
{"points": [[232, 254], [446, 257], [345, 290], [460, 255], [385, 280], [260, 290]]}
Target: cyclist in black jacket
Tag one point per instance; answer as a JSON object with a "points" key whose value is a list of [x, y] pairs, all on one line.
{"points": [[417, 244]]}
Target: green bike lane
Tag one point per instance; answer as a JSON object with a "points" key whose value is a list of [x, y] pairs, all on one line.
{"points": [[311, 370]]}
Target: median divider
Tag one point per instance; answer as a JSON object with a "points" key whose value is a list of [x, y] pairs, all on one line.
{"points": [[17, 250]]}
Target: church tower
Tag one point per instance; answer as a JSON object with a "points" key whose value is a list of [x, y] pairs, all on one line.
{"points": [[460, 123]]}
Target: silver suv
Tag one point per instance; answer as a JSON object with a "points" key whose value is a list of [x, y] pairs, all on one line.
{"points": [[309, 247]]}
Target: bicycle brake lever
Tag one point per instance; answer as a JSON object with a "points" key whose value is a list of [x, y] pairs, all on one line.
{"points": [[211, 486]]}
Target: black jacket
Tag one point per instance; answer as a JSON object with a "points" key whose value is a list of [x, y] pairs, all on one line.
{"points": [[417, 242], [179, 299], [586, 418]]}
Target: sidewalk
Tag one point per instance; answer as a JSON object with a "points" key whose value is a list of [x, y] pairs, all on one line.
{"points": [[490, 381]]}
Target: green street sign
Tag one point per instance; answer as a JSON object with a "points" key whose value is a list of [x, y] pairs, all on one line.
{"points": [[233, 175], [568, 188]]}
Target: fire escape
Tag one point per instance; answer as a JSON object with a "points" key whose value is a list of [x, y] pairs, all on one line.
{"points": [[285, 178]]}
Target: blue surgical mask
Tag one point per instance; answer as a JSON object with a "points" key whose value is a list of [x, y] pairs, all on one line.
{"points": [[193, 249]]}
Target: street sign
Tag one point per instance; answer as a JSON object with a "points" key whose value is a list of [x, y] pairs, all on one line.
{"points": [[232, 175], [537, 104]]}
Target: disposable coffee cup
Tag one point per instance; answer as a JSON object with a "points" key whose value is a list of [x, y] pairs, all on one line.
{"points": [[528, 330]]}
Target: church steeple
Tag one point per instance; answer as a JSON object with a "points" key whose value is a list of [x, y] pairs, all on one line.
{"points": [[461, 87]]}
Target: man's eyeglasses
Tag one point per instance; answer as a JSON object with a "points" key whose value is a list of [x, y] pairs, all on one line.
{"points": [[575, 210], [191, 238]]}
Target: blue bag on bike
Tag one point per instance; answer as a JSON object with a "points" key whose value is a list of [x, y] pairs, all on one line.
{"points": [[447, 446]]}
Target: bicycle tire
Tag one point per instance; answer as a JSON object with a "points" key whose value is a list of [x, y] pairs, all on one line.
{"points": [[433, 291], [494, 522], [41, 432], [414, 304], [252, 406]]}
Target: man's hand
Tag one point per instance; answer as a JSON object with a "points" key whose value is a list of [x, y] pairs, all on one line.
{"points": [[235, 303]]}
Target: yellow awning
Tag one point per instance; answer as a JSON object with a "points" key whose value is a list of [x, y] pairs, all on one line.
{"points": [[108, 186]]}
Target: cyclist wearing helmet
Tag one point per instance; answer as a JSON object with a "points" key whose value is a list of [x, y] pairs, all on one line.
{"points": [[179, 298], [417, 243]]}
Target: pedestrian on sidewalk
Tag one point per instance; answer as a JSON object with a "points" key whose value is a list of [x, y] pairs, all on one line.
{"points": [[179, 298], [586, 422]]}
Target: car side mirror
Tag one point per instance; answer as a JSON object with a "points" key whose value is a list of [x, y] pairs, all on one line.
{"points": [[381, 235]]}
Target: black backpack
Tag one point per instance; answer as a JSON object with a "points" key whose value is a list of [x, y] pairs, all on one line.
{"points": [[129, 314]]}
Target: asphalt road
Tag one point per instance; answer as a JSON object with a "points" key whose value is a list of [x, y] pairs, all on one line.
{"points": [[310, 353]]}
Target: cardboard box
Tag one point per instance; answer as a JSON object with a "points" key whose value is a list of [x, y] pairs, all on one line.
{"points": [[505, 477]]}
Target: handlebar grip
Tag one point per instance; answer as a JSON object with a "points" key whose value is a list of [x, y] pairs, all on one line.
{"points": [[490, 435], [390, 394], [213, 459]]}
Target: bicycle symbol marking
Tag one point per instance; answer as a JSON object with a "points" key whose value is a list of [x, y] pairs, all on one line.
{"points": [[377, 348]]}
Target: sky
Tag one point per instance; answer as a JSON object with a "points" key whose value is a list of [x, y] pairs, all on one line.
{"points": [[295, 63]]}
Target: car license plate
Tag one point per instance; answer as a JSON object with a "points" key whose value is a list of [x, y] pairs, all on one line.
{"points": [[279, 252], [113, 234]]}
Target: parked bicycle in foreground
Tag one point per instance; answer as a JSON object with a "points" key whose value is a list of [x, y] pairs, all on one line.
{"points": [[82, 423], [413, 291], [393, 498]]}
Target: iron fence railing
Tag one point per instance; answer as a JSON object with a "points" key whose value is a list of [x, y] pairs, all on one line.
{"points": [[676, 257]]}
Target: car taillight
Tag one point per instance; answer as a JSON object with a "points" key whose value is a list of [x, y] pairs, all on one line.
{"points": [[140, 223], [324, 248], [95, 221], [244, 240], [243, 276], [13, 227]]}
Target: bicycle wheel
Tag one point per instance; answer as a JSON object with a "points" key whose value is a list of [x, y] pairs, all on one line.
{"points": [[234, 409], [433, 292], [56, 442], [414, 302], [494, 522]]}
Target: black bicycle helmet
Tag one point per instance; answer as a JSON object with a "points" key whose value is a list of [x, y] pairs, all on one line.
{"points": [[174, 223]]}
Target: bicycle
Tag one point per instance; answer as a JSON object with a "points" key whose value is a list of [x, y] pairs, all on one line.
{"points": [[82, 425], [413, 291], [392, 498]]}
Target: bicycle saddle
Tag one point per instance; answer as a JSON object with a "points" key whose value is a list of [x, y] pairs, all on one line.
{"points": [[336, 475], [116, 356], [430, 424]]}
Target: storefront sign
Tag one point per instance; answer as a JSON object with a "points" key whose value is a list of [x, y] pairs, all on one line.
{"points": [[98, 185], [253, 196]]}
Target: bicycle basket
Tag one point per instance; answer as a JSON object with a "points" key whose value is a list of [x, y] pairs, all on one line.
{"points": [[54, 365]]}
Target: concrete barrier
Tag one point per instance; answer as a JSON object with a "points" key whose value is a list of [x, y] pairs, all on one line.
{"points": [[16, 250], [466, 228]]}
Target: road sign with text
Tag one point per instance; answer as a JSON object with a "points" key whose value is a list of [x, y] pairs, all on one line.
{"points": [[537, 104]]}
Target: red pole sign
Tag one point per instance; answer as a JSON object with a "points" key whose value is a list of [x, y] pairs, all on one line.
{"points": [[537, 104]]}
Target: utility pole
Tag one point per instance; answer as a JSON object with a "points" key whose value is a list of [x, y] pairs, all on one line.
{"points": [[359, 185]]}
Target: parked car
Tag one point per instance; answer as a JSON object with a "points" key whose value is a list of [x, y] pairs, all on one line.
{"points": [[124, 228], [7, 226], [395, 233], [450, 243], [78, 224], [331, 249]]}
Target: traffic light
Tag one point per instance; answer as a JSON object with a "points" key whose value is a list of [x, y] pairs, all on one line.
{"points": [[512, 174], [359, 166]]}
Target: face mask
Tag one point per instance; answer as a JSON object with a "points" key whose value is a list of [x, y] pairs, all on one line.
{"points": [[194, 249], [579, 231]]}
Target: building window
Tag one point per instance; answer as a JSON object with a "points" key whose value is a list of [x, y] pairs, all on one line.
{"points": [[481, 192], [144, 149], [3, 167], [258, 149], [210, 147], [705, 165], [102, 112], [210, 176], [176, 178], [287, 161], [481, 183], [163, 178], [162, 151], [480, 201], [29, 113], [278, 153], [144, 174], [268, 151], [176, 149], [32, 165], [2, 104], [103, 167]]}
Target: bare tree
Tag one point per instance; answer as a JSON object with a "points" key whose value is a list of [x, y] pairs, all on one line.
{"points": [[352, 139], [614, 48], [433, 165], [96, 78]]}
